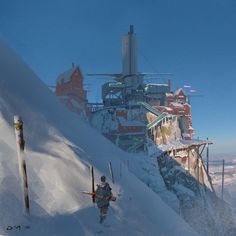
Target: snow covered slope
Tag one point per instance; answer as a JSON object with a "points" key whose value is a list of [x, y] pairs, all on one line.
{"points": [[60, 149]]}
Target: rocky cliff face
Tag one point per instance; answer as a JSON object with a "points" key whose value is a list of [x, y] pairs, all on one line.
{"points": [[199, 206]]}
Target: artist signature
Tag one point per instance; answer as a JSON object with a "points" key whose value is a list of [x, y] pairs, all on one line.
{"points": [[17, 227]]}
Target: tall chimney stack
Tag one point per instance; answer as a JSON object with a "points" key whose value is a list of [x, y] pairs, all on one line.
{"points": [[131, 29]]}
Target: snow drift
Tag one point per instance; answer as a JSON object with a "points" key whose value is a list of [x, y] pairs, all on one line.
{"points": [[60, 148]]}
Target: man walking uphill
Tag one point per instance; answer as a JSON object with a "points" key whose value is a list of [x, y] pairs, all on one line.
{"points": [[103, 195]]}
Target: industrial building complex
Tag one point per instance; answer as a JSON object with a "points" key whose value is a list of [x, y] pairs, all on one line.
{"points": [[132, 112]]}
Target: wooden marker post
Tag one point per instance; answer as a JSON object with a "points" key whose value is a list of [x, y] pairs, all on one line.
{"points": [[20, 142]]}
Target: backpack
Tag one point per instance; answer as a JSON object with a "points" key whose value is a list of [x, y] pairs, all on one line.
{"points": [[103, 194]]}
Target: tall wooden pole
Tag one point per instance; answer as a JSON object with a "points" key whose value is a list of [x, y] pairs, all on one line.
{"points": [[20, 142], [207, 156], [223, 176]]}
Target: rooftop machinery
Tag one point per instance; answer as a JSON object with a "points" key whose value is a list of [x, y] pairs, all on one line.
{"points": [[128, 87]]}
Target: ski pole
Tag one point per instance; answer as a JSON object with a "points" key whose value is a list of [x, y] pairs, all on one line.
{"points": [[111, 172], [93, 187]]}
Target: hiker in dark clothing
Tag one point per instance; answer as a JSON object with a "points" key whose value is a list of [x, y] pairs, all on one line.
{"points": [[103, 195]]}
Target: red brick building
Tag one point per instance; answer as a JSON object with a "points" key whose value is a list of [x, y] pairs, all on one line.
{"points": [[69, 89], [176, 105]]}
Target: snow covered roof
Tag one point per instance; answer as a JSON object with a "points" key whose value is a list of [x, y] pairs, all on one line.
{"points": [[65, 76], [179, 144], [169, 95], [158, 85], [178, 91]]}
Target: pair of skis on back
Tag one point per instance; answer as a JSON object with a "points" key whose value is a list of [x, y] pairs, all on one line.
{"points": [[93, 194]]}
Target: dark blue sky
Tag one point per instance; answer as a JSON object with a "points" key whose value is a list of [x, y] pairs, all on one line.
{"points": [[194, 40]]}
